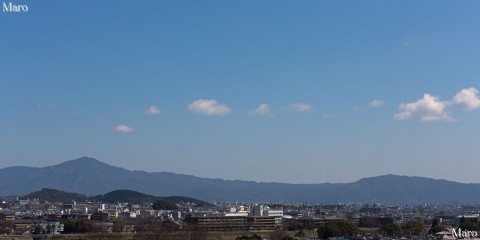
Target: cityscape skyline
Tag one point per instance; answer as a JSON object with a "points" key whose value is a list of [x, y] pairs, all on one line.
{"points": [[271, 91]]}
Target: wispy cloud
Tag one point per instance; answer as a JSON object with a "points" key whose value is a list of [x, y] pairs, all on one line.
{"points": [[261, 110], [406, 43], [209, 107], [327, 115], [376, 103], [56, 105], [300, 107], [153, 110], [467, 98], [122, 128]]}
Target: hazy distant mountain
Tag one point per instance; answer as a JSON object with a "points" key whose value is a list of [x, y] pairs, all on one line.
{"points": [[91, 177]]}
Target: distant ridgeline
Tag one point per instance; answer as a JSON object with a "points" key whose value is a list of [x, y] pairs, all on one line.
{"points": [[91, 177], [166, 203]]}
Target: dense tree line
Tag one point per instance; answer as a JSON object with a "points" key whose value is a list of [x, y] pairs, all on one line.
{"points": [[338, 228], [300, 224], [161, 204], [77, 226], [412, 227], [53, 195]]}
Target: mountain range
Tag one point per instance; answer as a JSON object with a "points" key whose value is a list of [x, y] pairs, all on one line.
{"points": [[91, 177]]}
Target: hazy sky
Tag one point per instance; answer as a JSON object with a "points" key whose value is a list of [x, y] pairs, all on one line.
{"points": [[288, 91]]}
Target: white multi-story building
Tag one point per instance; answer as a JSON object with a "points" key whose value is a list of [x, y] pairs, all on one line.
{"points": [[273, 213], [256, 210], [238, 211]]}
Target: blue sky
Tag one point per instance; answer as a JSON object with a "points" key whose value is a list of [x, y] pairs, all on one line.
{"points": [[286, 91]]}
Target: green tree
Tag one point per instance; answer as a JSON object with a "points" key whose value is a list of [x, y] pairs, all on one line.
{"points": [[256, 237], [308, 224], [164, 205], [436, 229], [390, 229], [469, 226], [414, 227], [294, 224], [300, 234], [338, 228], [77, 226], [279, 235]]}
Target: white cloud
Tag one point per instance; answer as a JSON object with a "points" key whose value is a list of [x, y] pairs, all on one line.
{"points": [[467, 97], [124, 128], [376, 103], [429, 108], [261, 110], [153, 110], [300, 107], [209, 107]]}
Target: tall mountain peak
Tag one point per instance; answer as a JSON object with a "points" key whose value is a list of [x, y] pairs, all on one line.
{"points": [[82, 162]]}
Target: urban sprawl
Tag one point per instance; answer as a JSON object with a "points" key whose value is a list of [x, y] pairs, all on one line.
{"points": [[140, 219]]}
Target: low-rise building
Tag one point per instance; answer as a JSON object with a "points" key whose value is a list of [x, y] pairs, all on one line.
{"points": [[239, 223]]}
